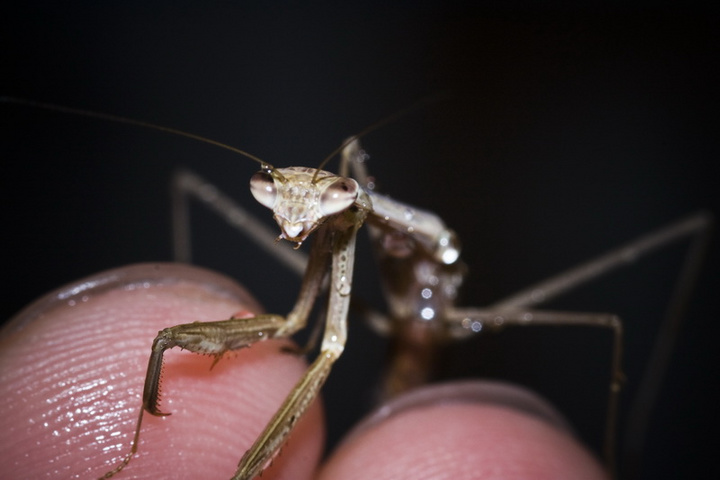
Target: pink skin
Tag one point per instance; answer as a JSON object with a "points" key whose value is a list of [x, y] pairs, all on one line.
{"points": [[464, 441], [71, 381]]}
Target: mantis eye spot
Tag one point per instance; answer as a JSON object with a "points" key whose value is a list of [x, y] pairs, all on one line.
{"points": [[338, 196], [262, 187]]}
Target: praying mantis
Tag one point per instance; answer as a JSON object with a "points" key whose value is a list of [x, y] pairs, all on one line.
{"points": [[422, 271]]}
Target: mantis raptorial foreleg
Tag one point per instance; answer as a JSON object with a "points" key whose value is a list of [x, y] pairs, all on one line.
{"points": [[305, 391], [340, 209], [212, 338]]}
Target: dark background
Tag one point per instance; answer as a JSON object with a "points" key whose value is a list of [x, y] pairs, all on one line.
{"points": [[568, 131]]}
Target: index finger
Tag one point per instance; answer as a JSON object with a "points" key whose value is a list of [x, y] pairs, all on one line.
{"points": [[72, 367]]}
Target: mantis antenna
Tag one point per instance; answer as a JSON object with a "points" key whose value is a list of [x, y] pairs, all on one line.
{"points": [[181, 133], [423, 102], [129, 121]]}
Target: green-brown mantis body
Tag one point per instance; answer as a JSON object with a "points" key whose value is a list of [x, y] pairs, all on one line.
{"points": [[404, 248]]}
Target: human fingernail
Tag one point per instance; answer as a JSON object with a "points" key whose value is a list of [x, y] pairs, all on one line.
{"points": [[143, 275], [480, 392]]}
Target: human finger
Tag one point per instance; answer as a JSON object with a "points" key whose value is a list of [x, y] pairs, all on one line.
{"points": [[464, 430], [72, 367]]}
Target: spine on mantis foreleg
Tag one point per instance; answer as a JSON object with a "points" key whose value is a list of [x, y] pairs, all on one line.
{"points": [[213, 338]]}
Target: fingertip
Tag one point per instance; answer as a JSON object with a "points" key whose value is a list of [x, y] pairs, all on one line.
{"points": [[462, 439], [73, 366]]}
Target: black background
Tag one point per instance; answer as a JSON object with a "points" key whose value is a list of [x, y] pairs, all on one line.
{"points": [[568, 131]]}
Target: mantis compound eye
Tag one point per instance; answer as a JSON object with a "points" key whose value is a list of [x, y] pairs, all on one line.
{"points": [[263, 189], [338, 196]]}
